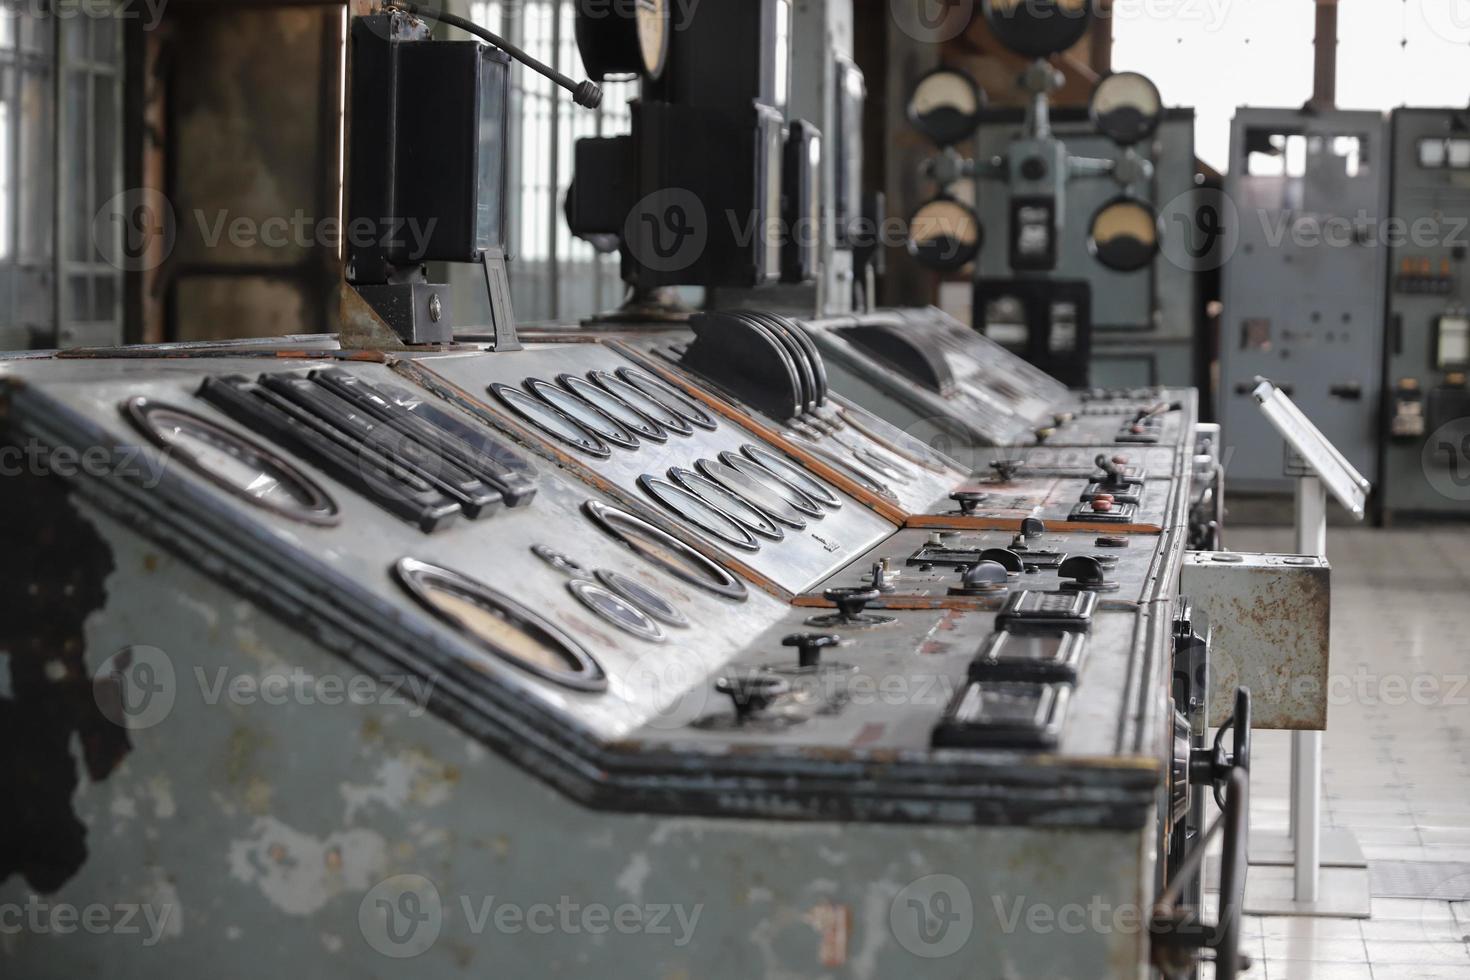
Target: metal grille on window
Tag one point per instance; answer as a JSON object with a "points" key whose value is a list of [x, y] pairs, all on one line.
{"points": [[26, 181], [89, 60], [552, 274]]}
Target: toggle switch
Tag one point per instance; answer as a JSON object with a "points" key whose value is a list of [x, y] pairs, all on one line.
{"points": [[1006, 469], [1031, 527]]}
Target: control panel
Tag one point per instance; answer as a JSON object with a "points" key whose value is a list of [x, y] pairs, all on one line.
{"points": [[1426, 428]]}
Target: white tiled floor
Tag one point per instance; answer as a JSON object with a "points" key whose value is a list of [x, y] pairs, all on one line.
{"points": [[1396, 754]]}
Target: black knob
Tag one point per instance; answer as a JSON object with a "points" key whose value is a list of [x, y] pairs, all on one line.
{"points": [[1005, 558], [751, 692], [1033, 526], [968, 500], [809, 646], [1005, 469], [981, 578], [1086, 572], [850, 601]]}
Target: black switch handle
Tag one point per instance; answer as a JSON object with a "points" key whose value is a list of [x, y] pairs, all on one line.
{"points": [[850, 601], [809, 646], [752, 692]]}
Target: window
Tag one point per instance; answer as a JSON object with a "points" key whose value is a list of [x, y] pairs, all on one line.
{"points": [[59, 165], [552, 274]]}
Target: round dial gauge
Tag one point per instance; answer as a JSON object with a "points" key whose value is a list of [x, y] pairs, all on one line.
{"points": [[614, 407], [665, 551], [626, 38], [586, 415], [1126, 107], [550, 421], [1124, 235], [944, 234], [227, 459], [501, 626], [945, 106], [652, 407], [698, 512]]}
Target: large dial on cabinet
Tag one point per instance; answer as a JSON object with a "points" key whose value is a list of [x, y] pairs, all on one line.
{"points": [[629, 38]]}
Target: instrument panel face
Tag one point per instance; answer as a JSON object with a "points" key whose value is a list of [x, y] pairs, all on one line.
{"points": [[740, 496], [575, 540], [512, 600]]}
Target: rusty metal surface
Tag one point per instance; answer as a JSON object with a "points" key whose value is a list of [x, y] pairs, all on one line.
{"points": [[1270, 617]]}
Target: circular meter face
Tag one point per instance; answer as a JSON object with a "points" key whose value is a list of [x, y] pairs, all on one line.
{"points": [[1126, 107], [623, 38], [653, 35]]}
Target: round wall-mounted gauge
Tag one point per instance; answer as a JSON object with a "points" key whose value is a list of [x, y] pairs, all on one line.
{"points": [[625, 38], [665, 551], [494, 622], [1037, 28], [1124, 235], [240, 465], [1126, 107], [945, 105], [945, 235]]}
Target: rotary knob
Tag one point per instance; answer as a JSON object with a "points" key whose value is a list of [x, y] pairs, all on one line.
{"points": [[809, 646], [982, 578], [1086, 574]]}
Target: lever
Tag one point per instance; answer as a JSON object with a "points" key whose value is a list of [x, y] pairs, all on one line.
{"points": [[1031, 527], [809, 646], [1005, 469], [968, 501]]}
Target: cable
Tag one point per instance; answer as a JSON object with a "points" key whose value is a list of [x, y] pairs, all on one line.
{"points": [[584, 93]]}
